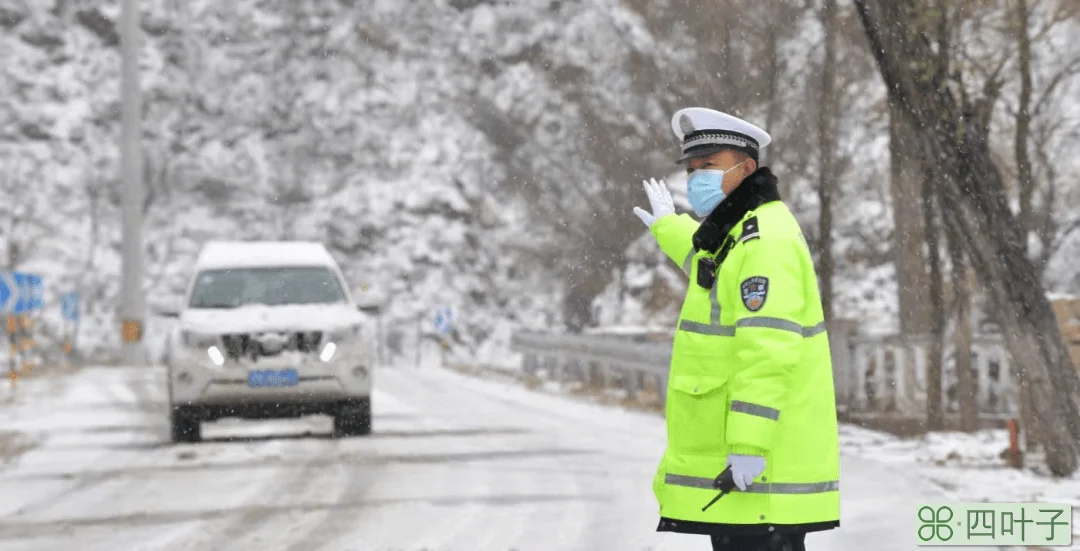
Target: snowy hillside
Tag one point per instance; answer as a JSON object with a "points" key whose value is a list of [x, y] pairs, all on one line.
{"points": [[289, 120], [480, 155]]}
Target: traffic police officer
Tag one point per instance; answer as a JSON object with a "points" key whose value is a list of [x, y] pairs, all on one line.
{"points": [[750, 385]]}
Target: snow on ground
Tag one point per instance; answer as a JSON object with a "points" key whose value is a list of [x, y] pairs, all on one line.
{"points": [[455, 463], [967, 467], [959, 466]]}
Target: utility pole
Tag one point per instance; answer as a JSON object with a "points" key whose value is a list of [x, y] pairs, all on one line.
{"points": [[132, 302]]}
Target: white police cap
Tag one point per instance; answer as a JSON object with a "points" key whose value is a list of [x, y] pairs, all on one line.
{"points": [[706, 131]]}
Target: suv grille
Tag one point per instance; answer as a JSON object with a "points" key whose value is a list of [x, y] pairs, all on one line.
{"points": [[269, 344]]}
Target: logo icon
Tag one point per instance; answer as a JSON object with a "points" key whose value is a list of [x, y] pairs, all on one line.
{"points": [[686, 125], [935, 523]]}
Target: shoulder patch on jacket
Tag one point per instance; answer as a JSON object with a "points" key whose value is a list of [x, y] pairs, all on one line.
{"points": [[754, 292], [749, 229]]}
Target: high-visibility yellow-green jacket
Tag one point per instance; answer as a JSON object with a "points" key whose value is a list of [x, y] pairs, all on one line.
{"points": [[751, 373]]}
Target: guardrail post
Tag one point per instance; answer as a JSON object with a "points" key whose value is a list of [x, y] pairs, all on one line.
{"points": [[529, 364], [1008, 382], [859, 365], [888, 379], [903, 378], [982, 363], [596, 375], [580, 373], [920, 350], [631, 383], [843, 373], [881, 380]]}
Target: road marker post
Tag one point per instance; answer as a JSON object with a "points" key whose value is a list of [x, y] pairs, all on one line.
{"points": [[70, 311], [444, 323], [13, 349]]}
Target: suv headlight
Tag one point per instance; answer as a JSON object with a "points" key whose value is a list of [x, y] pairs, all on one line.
{"points": [[335, 338], [194, 339], [345, 334]]}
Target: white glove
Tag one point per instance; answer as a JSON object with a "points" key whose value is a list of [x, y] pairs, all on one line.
{"points": [[659, 201], [745, 468]]}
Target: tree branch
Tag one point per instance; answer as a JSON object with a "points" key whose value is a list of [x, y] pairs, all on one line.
{"points": [[1062, 237], [1070, 70]]}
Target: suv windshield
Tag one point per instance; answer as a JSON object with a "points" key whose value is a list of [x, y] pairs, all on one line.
{"points": [[271, 286]]}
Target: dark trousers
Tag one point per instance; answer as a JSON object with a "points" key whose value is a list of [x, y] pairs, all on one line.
{"points": [[771, 542]]}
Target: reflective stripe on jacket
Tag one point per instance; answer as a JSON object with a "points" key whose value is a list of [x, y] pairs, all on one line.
{"points": [[751, 373]]}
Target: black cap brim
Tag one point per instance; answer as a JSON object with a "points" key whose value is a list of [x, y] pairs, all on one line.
{"points": [[702, 152]]}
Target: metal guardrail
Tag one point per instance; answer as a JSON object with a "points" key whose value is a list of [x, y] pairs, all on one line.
{"points": [[888, 375], [600, 360], [874, 376]]}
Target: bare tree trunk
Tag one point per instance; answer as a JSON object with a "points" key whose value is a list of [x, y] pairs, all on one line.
{"points": [[1048, 225], [725, 95], [772, 53], [935, 414], [909, 229], [967, 386], [909, 237], [1029, 423], [915, 65], [1024, 181], [14, 248], [85, 281], [826, 156]]}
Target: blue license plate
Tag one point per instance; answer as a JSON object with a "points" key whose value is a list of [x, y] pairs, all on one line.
{"points": [[273, 377]]}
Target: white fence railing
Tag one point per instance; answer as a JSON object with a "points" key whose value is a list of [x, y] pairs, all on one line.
{"points": [[874, 376]]}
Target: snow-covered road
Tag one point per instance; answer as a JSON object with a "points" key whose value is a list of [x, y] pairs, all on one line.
{"points": [[455, 463]]}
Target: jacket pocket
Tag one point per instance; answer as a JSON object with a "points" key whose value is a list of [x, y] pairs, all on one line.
{"points": [[697, 414]]}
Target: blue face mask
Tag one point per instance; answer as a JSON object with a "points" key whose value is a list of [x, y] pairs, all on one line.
{"points": [[704, 189]]}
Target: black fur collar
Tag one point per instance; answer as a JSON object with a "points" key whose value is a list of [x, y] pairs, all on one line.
{"points": [[756, 190]]}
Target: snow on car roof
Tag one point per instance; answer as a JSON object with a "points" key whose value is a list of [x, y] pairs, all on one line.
{"points": [[251, 254]]}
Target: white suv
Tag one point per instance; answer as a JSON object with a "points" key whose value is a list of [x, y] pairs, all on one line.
{"points": [[269, 329]]}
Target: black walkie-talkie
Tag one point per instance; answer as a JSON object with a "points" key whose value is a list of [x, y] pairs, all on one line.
{"points": [[724, 482]]}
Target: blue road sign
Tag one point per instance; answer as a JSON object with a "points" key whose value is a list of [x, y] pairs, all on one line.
{"points": [[37, 291], [69, 306], [8, 293], [21, 292], [444, 318]]}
